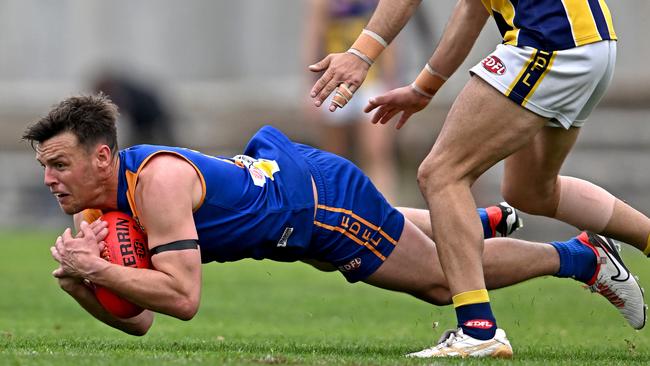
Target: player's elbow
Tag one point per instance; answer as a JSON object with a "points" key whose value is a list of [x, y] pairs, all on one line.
{"points": [[187, 307]]}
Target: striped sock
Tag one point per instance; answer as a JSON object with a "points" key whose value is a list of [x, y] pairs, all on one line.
{"points": [[474, 314]]}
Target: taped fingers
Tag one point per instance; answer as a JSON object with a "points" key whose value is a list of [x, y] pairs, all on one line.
{"points": [[343, 94]]}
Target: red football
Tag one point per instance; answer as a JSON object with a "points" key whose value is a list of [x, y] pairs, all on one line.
{"points": [[126, 245]]}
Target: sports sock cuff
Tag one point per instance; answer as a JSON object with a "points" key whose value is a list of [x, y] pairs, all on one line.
{"points": [[485, 221], [470, 297], [577, 260]]}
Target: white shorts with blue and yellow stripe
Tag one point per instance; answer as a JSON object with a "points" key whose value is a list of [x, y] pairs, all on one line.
{"points": [[564, 86]]}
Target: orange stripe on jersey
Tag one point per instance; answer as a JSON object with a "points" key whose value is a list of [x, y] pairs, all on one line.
{"points": [[132, 180], [361, 220], [354, 238]]}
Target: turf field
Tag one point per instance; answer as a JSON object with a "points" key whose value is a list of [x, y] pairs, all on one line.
{"points": [[265, 313]]}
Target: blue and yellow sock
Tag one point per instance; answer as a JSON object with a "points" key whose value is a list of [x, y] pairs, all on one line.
{"points": [[474, 314], [577, 260]]}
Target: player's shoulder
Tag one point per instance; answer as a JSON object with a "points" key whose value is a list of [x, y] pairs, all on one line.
{"points": [[166, 168]]}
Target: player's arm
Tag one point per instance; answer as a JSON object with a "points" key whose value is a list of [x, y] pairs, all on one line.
{"points": [[85, 296], [391, 16], [168, 187], [461, 32], [348, 70]]}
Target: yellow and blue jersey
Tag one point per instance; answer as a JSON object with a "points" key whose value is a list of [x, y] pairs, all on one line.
{"points": [[552, 25], [252, 204]]}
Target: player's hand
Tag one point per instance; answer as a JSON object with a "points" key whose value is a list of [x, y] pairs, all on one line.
{"points": [[77, 256], [403, 99], [340, 68]]}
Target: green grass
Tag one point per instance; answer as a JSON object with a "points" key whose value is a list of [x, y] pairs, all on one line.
{"points": [[260, 313]]}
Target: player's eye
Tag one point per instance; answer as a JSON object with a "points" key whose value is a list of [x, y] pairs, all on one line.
{"points": [[59, 166]]}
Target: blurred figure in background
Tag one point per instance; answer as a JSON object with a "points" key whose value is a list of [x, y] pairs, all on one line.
{"points": [[148, 117], [332, 25]]}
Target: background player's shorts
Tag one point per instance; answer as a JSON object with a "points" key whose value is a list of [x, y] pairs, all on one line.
{"points": [[355, 228], [564, 86]]}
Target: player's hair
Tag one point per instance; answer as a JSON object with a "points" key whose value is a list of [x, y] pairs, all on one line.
{"points": [[91, 118]]}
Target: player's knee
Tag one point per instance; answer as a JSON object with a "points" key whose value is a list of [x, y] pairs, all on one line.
{"points": [[430, 175]]}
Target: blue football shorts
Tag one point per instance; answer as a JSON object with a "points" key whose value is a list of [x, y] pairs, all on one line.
{"points": [[355, 228]]}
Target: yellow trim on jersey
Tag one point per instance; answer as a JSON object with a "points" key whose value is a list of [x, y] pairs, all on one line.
{"points": [[471, 297], [608, 18], [508, 14], [521, 73], [539, 81], [361, 220], [582, 22], [132, 180], [354, 238]]}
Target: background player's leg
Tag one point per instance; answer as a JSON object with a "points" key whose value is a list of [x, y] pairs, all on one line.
{"points": [[413, 266], [532, 184]]}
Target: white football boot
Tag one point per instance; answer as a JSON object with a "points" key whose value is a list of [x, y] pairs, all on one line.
{"points": [[454, 343], [614, 281]]}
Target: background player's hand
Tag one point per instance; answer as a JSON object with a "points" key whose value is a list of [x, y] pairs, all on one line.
{"points": [[340, 68], [403, 99]]}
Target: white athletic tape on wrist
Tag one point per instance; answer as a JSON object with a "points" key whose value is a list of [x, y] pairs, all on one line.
{"points": [[370, 44], [361, 55], [434, 72], [376, 37], [420, 91]]}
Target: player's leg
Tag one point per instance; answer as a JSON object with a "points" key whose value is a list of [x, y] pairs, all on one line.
{"points": [[498, 220], [482, 128], [532, 182], [414, 267], [378, 160]]}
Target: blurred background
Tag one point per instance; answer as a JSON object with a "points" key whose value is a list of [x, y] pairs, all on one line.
{"points": [[206, 74]]}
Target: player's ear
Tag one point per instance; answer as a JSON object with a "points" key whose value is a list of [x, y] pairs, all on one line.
{"points": [[104, 155]]}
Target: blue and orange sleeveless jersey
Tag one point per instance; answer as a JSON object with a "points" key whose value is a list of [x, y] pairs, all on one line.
{"points": [[250, 205], [552, 25]]}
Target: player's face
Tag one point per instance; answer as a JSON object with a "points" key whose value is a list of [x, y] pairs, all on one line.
{"points": [[68, 172]]}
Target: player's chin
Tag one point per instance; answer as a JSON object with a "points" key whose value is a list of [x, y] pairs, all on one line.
{"points": [[70, 209]]}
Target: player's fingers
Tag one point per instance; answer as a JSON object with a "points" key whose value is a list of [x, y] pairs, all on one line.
{"points": [[370, 106], [379, 114], [67, 234], [402, 120], [87, 231], [55, 254], [326, 91], [321, 83], [321, 65], [344, 93], [58, 273], [102, 234], [388, 116], [58, 244]]}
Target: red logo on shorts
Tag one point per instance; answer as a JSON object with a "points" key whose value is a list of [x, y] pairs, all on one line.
{"points": [[494, 65], [479, 323]]}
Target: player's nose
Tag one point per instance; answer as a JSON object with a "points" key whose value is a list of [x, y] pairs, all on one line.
{"points": [[48, 178]]}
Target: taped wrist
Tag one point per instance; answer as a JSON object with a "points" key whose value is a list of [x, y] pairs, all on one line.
{"points": [[175, 245], [368, 46], [429, 81]]}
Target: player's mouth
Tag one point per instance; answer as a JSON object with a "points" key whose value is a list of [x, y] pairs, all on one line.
{"points": [[60, 196]]}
